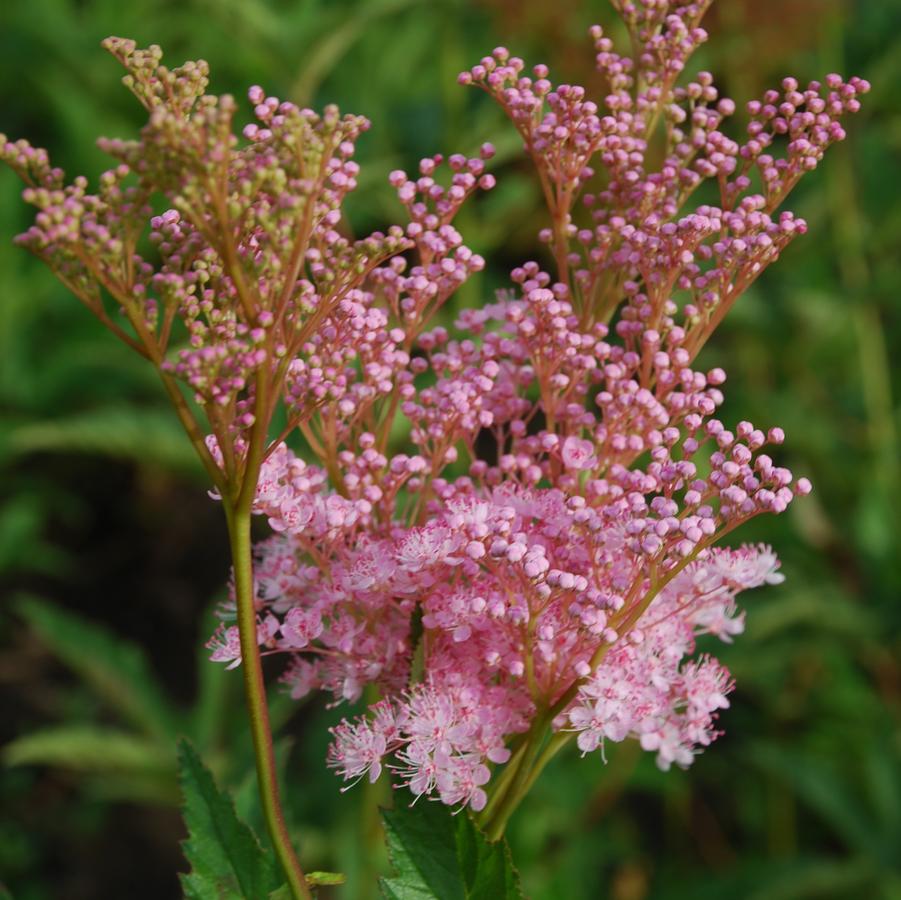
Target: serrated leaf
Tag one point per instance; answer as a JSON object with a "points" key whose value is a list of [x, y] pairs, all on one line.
{"points": [[116, 669], [439, 855], [227, 861]]}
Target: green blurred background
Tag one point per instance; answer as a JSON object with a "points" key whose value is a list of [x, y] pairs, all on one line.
{"points": [[111, 554]]}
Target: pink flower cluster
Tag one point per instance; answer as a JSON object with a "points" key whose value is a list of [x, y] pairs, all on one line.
{"points": [[503, 530], [636, 237], [572, 566], [520, 591]]}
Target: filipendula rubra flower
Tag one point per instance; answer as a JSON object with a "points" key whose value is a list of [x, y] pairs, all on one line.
{"points": [[535, 563], [557, 588]]}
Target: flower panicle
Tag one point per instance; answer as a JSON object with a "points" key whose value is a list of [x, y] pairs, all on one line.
{"points": [[248, 291], [506, 528]]}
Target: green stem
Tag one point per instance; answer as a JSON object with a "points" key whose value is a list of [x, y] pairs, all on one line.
{"points": [[498, 788], [497, 818], [527, 774], [557, 742], [238, 518]]}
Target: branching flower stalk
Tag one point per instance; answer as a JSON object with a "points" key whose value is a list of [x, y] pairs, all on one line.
{"points": [[511, 536], [247, 225]]}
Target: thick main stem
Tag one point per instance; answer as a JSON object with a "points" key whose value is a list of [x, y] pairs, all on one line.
{"points": [[255, 698]]}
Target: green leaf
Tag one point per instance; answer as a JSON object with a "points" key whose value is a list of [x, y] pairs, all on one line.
{"points": [[116, 669], [336, 42], [436, 854], [88, 749], [245, 791], [139, 435], [226, 859], [824, 789], [325, 878], [215, 697]]}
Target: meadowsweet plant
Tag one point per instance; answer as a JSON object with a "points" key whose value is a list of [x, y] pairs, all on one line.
{"points": [[508, 531]]}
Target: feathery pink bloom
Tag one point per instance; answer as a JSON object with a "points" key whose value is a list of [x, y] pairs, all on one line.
{"points": [[546, 539]]}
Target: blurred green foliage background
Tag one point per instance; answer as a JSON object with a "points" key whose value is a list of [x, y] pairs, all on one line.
{"points": [[111, 554]]}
